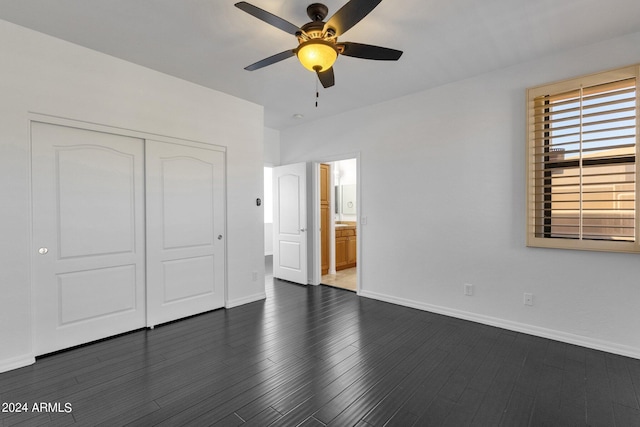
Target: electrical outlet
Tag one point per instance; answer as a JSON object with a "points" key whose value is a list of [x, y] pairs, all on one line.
{"points": [[528, 299], [468, 289]]}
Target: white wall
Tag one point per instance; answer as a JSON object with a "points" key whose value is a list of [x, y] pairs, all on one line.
{"points": [[271, 158], [44, 75], [443, 189], [347, 171], [271, 147]]}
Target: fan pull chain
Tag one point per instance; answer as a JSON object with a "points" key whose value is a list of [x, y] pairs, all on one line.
{"points": [[317, 93]]}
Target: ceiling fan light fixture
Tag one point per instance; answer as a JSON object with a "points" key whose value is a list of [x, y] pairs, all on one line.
{"points": [[317, 55], [318, 46]]}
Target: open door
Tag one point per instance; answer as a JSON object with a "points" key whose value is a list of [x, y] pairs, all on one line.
{"points": [[290, 223]]}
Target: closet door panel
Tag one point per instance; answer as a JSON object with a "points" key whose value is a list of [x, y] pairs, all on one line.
{"points": [[185, 231], [88, 235]]}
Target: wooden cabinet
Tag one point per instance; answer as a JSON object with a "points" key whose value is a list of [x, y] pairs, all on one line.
{"points": [[351, 250], [325, 217], [346, 248], [341, 253]]}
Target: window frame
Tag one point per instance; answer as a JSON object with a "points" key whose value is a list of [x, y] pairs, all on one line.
{"points": [[533, 150]]}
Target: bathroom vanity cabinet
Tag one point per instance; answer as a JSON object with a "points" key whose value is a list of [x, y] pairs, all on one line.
{"points": [[346, 253]]}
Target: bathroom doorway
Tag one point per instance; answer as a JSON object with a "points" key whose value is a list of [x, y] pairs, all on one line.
{"points": [[337, 212]]}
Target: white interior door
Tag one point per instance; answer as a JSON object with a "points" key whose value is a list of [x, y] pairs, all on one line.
{"points": [[290, 223], [88, 235], [185, 231]]}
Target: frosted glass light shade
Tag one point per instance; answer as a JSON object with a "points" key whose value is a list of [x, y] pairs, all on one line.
{"points": [[317, 53]]}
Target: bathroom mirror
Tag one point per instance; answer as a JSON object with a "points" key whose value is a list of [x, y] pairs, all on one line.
{"points": [[348, 199]]}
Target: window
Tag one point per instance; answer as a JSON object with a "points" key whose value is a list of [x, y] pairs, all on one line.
{"points": [[581, 163]]}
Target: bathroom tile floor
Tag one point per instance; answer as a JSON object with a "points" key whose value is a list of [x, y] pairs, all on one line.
{"points": [[344, 279]]}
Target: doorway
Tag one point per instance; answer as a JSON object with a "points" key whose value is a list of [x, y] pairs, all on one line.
{"points": [[302, 247], [337, 210]]}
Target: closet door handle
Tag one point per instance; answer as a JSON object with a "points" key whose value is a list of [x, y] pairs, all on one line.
{"points": [[219, 236]]}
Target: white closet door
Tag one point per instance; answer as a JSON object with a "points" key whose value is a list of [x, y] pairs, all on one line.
{"points": [[185, 231], [88, 235]]}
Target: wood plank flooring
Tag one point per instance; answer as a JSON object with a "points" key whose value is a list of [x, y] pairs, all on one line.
{"points": [[315, 356]]}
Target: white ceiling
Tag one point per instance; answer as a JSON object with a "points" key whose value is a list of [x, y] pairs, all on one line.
{"points": [[209, 42]]}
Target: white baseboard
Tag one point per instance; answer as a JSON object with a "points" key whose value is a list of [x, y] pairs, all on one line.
{"points": [[556, 335], [16, 362], [245, 300]]}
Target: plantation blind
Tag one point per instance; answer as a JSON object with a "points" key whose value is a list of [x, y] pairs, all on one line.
{"points": [[582, 165]]}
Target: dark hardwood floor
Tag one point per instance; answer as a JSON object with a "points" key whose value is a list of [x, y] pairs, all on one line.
{"points": [[315, 356]]}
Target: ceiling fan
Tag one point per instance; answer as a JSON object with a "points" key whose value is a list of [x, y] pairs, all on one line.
{"points": [[318, 46]]}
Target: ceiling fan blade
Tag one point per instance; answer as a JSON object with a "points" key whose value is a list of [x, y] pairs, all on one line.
{"points": [[327, 78], [271, 60], [350, 14], [268, 17], [367, 51]]}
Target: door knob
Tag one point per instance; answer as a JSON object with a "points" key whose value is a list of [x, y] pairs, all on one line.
{"points": [[219, 236], [303, 229], [43, 251]]}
